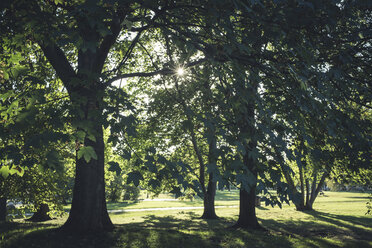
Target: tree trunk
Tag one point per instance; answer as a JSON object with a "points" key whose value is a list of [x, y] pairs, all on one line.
{"points": [[3, 209], [209, 195], [301, 204], [88, 208], [209, 210], [245, 119], [247, 210], [41, 214], [315, 190], [307, 191], [247, 201]]}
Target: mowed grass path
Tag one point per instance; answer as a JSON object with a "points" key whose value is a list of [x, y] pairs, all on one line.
{"points": [[338, 220]]}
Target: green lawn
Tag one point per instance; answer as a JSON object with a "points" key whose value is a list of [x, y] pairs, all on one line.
{"points": [[338, 221]]}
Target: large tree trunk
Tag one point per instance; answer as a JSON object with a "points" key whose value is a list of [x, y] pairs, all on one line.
{"points": [[247, 201], [247, 210], [88, 209], [209, 210], [3, 209], [41, 214]]}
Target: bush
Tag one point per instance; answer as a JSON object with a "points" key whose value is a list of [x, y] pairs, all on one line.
{"points": [[131, 193]]}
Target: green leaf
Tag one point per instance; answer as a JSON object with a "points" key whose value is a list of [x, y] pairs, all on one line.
{"points": [[80, 135], [151, 166], [154, 183], [134, 177], [4, 171], [87, 152], [115, 167], [127, 23], [126, 155], [53, 159], [91, 137]]}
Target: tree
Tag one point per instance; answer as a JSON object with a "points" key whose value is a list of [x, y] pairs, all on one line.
{"points": [[84, 43], [277, 68], [182, 111]]}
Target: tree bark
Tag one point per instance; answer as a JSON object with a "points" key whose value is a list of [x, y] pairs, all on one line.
{"points": [[41, 214], [3, 211]]}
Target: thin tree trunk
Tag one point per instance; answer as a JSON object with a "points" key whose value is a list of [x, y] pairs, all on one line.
{"points": [[41, 213], [302, 199], [3, 211], [307, 191], [209, 209], [309, 204]]}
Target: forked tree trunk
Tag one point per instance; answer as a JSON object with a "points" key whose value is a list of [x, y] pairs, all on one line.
{"points": [[209, 209], [88, 208], [41, 213], [3, 211], [315, 189]]}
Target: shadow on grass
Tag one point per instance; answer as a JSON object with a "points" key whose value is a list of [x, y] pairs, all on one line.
{"points": [[348, 222], [155, 232], [186, 229], [351, 231]]}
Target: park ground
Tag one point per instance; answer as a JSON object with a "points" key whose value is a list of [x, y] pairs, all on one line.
{"points": [[339, 220]]}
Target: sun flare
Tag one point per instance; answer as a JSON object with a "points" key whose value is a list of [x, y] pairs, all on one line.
{"points": [[180, 71]]}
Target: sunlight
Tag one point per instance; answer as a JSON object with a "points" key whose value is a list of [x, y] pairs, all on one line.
{"points": [[180, 71]]}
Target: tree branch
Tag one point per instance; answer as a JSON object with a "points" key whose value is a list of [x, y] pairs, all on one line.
{"points": [[164, 71], [57, 58]]}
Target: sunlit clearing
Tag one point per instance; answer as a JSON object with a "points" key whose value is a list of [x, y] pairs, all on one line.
{"points": [[180, 71]]}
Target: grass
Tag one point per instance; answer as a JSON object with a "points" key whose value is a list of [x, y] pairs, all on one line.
{"points": [[338, 221], [223, 198]]}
